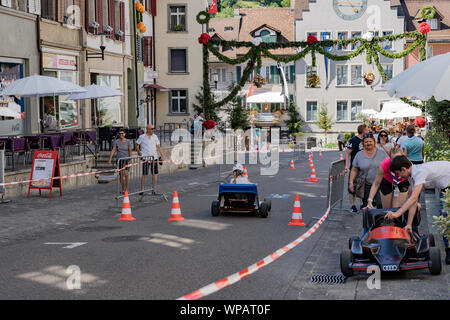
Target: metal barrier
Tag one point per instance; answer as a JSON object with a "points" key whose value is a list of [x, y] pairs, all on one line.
{"points": [[336, 183], [2, 177], [132, 172]]}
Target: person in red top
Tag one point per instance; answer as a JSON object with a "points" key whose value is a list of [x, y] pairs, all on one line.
{"points": [[393, 189]]}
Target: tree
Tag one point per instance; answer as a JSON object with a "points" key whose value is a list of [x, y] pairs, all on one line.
{"points": [[294, 123], [440, 113], [209, 110], [285, 3], [324, 122], [238, 117]]}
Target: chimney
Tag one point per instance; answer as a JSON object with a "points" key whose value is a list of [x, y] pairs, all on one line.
{"points": [[236, 13]]}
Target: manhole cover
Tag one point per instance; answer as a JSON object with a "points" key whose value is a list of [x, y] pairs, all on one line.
{"points": [[97, 229], [337, 278], [125, 238]]}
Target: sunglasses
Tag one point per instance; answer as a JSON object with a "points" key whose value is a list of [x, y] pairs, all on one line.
{"points": [[121, 132], [368, 135], [383, 135]]}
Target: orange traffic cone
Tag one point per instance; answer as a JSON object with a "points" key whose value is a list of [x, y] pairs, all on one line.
{"points": [[320, 154], [340, 156], [292, 164], [297, 219], [311, 164], [176, 211], [245, 172], [126, 209], [313, 174]]}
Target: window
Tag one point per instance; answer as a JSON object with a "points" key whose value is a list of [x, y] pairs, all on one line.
{"points": [[178, 62], [342, 74], [309, 71], [356, 108], [325, 36], [177, 18], [311, 34], [228, 28], [342, 111], [109, 109], [433, 24], [48, 9], [388, 70], [342, 35], [148, 51], [387, 45], [311, 111], [178, 101], [356, 34], [356, 75]]}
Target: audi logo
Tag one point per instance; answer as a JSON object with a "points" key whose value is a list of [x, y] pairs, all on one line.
{"points": [[391, 267]]}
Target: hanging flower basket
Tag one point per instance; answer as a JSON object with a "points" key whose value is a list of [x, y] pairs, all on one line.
{"points": [[369, 77], [259, 81], [204, 38], [313, 80], [424, 28]]}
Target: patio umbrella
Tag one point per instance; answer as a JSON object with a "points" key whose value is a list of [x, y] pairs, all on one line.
{"points": [[94, 91], [384, 115], [409, 112], [423, 80], [40, 86], [369, 112]]}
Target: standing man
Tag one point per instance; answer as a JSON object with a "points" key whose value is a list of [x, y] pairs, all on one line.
{"points": [[340, 139], [354, 145], [148, 146], [413, 147]]}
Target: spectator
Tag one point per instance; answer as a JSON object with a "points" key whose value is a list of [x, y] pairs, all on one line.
{"points": [[148, 146], [364, 171], [401, 138], [353, 147], [383, 142], [340, 139], [124, 148], [238, 175], [434, 174], [393, 189], [413, 147]]}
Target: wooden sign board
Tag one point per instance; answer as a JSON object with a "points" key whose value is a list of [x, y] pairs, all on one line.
{"points": [[45, 168]]}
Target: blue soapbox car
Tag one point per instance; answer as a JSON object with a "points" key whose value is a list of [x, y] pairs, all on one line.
{"points": [[240, 198]]}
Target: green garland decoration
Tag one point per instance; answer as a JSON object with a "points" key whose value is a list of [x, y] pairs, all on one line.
{"points": [[255, 53], [204, 20], [431, 12]]}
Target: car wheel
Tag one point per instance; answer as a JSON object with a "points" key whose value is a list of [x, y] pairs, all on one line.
{"points": [[431, 240], [346, 259], [269, 203], [350, 242], [434, 264], [215, 211], [263, 210]]}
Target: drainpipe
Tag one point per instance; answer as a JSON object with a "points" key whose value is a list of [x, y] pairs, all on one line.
{"points": [[154, 68], [41, 70], [135, 60]]}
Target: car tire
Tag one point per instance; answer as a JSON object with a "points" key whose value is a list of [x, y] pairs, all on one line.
{"points": [[431, 240], [350, 242], [263, 210], [269, 203], [215, 211], [345, 259], [434, 264]]}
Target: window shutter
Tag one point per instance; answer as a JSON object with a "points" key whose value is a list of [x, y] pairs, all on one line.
{"points": [[111, 18], [31, 6], [153, 7], [142, 49], [86, 15], [138, 48], [292, 74], [272, 74], [148, 6], [238, 74], [122, 20], [148, 51], [60, 8], [99, 15]]}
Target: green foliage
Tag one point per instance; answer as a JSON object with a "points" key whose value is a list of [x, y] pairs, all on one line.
{"points": [[348, 136], [227, 12], [285, 3], [238, 117], [324, 122], [211, 113], [332, 145], [294, 123], [443, 223], [440, 113], [248, 4], [437, 147]]}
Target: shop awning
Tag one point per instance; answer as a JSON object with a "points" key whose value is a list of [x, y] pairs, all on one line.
{"points": [[267, 97], [155, 86]]}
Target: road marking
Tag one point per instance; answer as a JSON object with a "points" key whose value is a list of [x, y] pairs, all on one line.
{"points": [[71, 245], [278, 196]]}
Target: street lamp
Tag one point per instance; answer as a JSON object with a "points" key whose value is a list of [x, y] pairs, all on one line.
{"points": [[102, 46]]}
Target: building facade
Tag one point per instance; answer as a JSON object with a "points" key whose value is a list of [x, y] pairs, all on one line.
{"points": [[342, 89], [178, 60]]}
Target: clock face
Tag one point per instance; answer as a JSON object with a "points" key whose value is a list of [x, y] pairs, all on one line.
{"points": [[349, 9]]}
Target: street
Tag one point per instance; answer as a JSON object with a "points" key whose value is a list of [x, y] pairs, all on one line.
{"points": [[152, 258]]}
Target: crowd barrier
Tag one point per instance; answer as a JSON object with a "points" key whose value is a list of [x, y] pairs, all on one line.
{"points": [[336, 183], [2, 175]]}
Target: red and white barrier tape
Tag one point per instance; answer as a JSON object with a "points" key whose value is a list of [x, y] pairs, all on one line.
{"points": [[225, 282]]}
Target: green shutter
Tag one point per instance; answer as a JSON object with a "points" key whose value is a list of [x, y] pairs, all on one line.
{"points": [[292, 74], [238, 74], [276, 75], [272, 73]]}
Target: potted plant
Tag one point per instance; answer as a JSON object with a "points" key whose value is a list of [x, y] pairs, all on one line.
{"points": [[369, 77], [313, 80], [258, 81], [178, 27]]}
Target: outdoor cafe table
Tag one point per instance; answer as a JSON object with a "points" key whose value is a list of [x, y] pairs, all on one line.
{"points": [[13, 145]]}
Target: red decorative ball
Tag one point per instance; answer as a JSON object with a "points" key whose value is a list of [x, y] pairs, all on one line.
{"points": [[204, 38], [424, 28], [311, 39]]}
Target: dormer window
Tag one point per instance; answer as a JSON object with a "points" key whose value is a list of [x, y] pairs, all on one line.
{"points": [[228, 28], [433, 24]]}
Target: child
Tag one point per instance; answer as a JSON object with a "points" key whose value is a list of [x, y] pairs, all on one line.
{"points": [[238, 173]]}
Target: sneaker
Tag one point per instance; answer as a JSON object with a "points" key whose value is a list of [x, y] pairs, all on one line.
{"points": [[353, 209]]}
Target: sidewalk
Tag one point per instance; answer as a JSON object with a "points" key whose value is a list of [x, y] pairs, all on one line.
{"points": [[28, 218], [415, 284]]}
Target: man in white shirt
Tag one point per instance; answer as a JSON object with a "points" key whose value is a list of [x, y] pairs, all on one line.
{"points": [[148, 146], [434, 174]]}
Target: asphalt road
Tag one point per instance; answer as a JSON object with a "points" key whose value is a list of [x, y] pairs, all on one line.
{"points": [[151, 258]]}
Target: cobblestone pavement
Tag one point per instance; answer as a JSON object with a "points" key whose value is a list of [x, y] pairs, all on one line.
{"points": [[415, 284]]}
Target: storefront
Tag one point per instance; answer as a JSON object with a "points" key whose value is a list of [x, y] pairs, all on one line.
{"points": [[58, 113], [11, 70], [107, 111]]}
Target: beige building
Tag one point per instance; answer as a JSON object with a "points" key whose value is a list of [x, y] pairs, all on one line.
{"points": [[178, 60]]}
